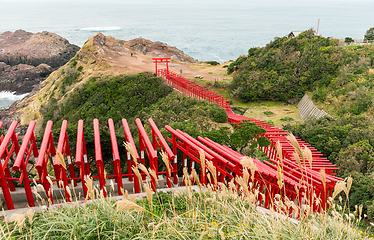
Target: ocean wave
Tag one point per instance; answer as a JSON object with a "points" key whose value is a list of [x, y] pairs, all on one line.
{"points": [[7, 98], [100, 29], [219, 59], [10, 96]]}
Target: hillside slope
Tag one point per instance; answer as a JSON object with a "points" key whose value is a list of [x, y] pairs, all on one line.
{"points": [[340, 77], [101, 57]]}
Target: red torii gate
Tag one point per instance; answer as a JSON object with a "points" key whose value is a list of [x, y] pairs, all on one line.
{"points": [[161, 60]]}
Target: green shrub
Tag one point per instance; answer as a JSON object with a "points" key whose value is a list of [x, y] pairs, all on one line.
{"points": [[70, 77], [213, 63], [287, 119], [73, 62], [218, 114], [348, 40], [286, 68], [268, 113]]}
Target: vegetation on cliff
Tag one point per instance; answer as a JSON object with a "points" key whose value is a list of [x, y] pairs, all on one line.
{"points": [[340, 80], [286, 68], [117, 97], [126, 96]]}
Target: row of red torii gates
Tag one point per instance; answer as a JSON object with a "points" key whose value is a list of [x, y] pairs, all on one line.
{"points": [[305, 182]]}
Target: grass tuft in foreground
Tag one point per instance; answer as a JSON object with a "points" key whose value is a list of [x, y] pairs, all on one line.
{"points": [[224, 214], [214, 211]]}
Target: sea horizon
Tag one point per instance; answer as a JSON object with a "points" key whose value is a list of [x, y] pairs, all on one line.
{"points": [[207, 30], [210, 30]]}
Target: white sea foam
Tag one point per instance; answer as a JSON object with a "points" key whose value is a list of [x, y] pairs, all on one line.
{"points": [[219, 59], [7, 98], [100, 29]]}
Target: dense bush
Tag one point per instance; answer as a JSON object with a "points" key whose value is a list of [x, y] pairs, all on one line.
{"points": [[213, 63], [178, 108], [330, 136], [116, 98], [141, 96], [287, 68], [73, 62], [348, 40], [369, 35]]}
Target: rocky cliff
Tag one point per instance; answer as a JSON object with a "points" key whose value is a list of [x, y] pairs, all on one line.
{"points": [[26, 58], [100, 57], [33, 49], [158, 49], [22, 78]]}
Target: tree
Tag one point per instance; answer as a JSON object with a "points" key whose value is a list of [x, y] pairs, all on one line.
{"points": [[348, 40], [247, 135], [221, 136], [369, 34]]}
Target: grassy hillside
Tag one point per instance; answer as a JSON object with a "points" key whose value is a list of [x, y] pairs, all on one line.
{"points": [[286, 68], [340, 80], [89, 87]]}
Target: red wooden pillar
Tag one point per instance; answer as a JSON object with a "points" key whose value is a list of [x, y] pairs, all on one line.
{"points": [[161, 60], [20, 164], [116, 158], [64, 149], [3, 146], [98, 156], [80, 160], [175, 163]]}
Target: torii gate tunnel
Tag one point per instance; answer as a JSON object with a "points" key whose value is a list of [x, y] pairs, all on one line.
{"points": [[290, 168], [298, 184], [301, 185]]}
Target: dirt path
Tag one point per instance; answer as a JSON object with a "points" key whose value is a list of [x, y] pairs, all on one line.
{"points": [[141, 63]]}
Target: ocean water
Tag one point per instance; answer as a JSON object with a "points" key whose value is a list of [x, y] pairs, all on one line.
{"points": [[7, 98], [217, 30]]}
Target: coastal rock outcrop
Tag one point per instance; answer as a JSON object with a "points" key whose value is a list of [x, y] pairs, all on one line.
{"points": [[100, 56], [34, 49], [22, 78], [26, 58], [158, 49], [140, 45]]}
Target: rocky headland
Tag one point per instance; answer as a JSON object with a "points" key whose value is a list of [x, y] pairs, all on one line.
{"points": [[27, 58], [158, 49], [22, 78], [100, 56]]}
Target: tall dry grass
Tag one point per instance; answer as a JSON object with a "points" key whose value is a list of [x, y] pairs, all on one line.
{"points": [[213, 211], [226, 213]]}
